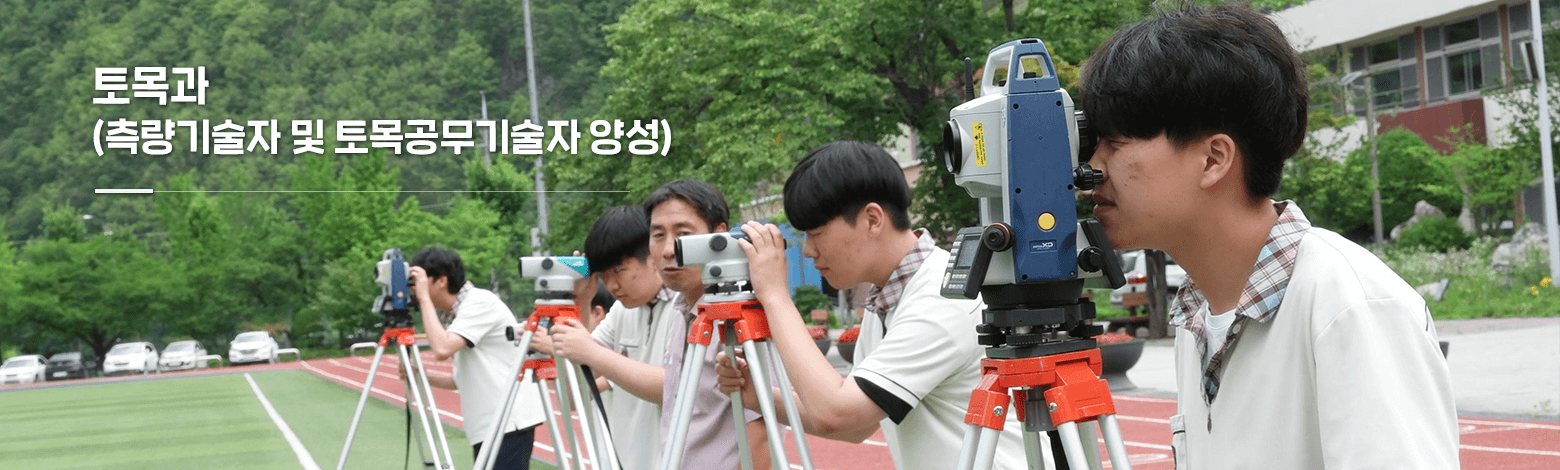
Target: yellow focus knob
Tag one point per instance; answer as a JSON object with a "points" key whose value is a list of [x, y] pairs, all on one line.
{"points": [[1047, 221]]}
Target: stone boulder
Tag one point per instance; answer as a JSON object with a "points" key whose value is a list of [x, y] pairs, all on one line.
{"points": [[1508, 255], [1422, 210]]}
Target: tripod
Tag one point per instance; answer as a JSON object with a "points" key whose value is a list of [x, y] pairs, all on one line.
{"points": [[570, 398], [738, 317], [399, 330], [1056, 382]]}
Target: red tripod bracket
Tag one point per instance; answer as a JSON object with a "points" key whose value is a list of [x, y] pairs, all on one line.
{"points": [[402, 336], [554, 312], [746, 317], [1071, 382], [545, 369]]}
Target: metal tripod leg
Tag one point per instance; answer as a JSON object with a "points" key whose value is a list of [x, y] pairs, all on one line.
{"points": [[357, 416], [568, 383], [682, 408], [487, 457], [738, 415], [422, 452], [561, 448], [792, 412], [598, 423], [430, 410]]}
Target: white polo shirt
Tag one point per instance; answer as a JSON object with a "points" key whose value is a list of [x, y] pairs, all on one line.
{"points": [[1347, 374], [926, 356], [641, 334], [485, 369]]}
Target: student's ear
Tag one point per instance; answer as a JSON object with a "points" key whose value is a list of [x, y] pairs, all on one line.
{"points": [[721, 228], [873, 215], [1220, 158]]}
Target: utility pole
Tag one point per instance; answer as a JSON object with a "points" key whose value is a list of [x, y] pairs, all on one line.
{"points": [[487, 158], [1375, 174], [1547, 161], [540, 234]]}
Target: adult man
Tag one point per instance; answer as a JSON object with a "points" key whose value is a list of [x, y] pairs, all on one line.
{"points": [[917, 360], [485, 359], [687, 207], [629, 345], [1299, 348]]}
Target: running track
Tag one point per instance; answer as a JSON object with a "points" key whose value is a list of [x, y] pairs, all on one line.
{"points": [[1487, 443]]}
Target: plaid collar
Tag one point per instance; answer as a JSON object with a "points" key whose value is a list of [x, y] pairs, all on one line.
{"points": [[666, 294], [1269, 279], [1259, 300], [449, 317], [882, 299]]}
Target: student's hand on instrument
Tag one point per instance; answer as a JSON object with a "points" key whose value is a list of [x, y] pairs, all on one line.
{"points": [[765, 248], [542, 341], [731, 379], [571, 340]]}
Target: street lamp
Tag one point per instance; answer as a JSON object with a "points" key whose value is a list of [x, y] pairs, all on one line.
{"points": [[1370, 131]]}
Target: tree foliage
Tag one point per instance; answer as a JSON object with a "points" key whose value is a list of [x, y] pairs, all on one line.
{"points": [[1338, 195]]}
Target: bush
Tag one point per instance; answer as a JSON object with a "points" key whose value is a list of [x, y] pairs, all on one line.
{"points": [[809, 298], [1438, 234]]}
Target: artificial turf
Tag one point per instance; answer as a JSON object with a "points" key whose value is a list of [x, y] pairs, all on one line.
{"points": [[203, 422]]}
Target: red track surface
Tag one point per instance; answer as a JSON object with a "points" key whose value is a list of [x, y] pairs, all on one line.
{"points": [[1487, 443]]}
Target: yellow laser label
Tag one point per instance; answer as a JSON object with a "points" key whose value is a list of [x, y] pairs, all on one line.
{"points": [[980, 143]]}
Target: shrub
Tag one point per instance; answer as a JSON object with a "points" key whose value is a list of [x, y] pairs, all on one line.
{"points": [[1438, 234]]}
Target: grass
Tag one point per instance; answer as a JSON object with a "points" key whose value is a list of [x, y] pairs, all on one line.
{"points": [[1475, 290], [203, 422]]}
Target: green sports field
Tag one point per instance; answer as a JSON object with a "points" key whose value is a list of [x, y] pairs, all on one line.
{"points": [[203, 422]]}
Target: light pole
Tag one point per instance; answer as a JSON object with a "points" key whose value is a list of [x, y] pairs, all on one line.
{"points": [[1370, 133]]}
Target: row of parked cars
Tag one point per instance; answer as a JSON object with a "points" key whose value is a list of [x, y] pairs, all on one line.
{"points": [[136, 357]]}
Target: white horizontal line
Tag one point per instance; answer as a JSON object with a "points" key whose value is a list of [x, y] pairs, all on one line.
{"points": [[1512, 451], [148, 191], [121, 191]]}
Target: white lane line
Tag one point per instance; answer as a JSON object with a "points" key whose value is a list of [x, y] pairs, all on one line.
{"points": [[1510, 424], [1143, 399], [1142, 419], [1512, 451], [304, 458]]}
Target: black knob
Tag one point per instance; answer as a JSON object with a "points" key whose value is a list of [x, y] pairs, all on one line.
{"points": [[717, 243], [715, 271], [542, 282], [1086, 177], [997, 237], [547, 263], [1091, 259]]}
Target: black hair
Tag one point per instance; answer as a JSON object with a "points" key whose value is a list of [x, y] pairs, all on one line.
{"points": [[839, 178], [705, 199], [442, 262], [603, 298], [620, 233], [1196, 71]]}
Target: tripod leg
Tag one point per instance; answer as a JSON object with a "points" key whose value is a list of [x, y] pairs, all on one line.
{"points": [[422, 450], [1113, 442], [745, 448], [1034, 452], [357, 416], [1091, 446], [566, 410], [682, 408], [604, 438], [571, 375], [486, 457], [986, 453], [967, 449], [792, 412], [1072, 444], [430, 409], [760, 371], [560, 447]]}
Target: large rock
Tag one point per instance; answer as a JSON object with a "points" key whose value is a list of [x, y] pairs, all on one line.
{"points": [[1507, 255], [1422, 210]]}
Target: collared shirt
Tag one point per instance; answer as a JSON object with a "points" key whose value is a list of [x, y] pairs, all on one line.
{"points": [[485, 369], [883, 299], [1259, 299], [711, 441], [642, 334]]}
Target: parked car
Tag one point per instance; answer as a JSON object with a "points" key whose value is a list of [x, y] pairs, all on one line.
{"points": [[1135, 265], [125, 358], [70, 365], [24, 369], [252, 346], [182, 355]]}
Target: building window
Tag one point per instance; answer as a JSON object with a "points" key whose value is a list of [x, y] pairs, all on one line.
{"points": [[1462, 32], [1464, 72]]}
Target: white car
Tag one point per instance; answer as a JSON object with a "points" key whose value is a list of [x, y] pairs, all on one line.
{"points": [[23, 370], [1135, 265], [182, 355], [139, 357], [252, 346]]}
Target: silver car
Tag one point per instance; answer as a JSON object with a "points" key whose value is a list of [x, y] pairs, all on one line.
{"points": [[252, 346], [1135, 265], [182, 355]]}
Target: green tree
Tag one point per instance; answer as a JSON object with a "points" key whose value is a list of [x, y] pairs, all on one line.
{"points": [[1338, 196], [101, 290]]}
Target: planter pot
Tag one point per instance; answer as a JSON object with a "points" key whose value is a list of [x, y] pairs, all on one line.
{"points": [[823, 345], [847, 351], [1118, 358]]}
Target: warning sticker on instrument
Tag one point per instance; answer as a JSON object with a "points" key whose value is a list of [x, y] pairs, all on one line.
{"points": [[980, 143]]}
